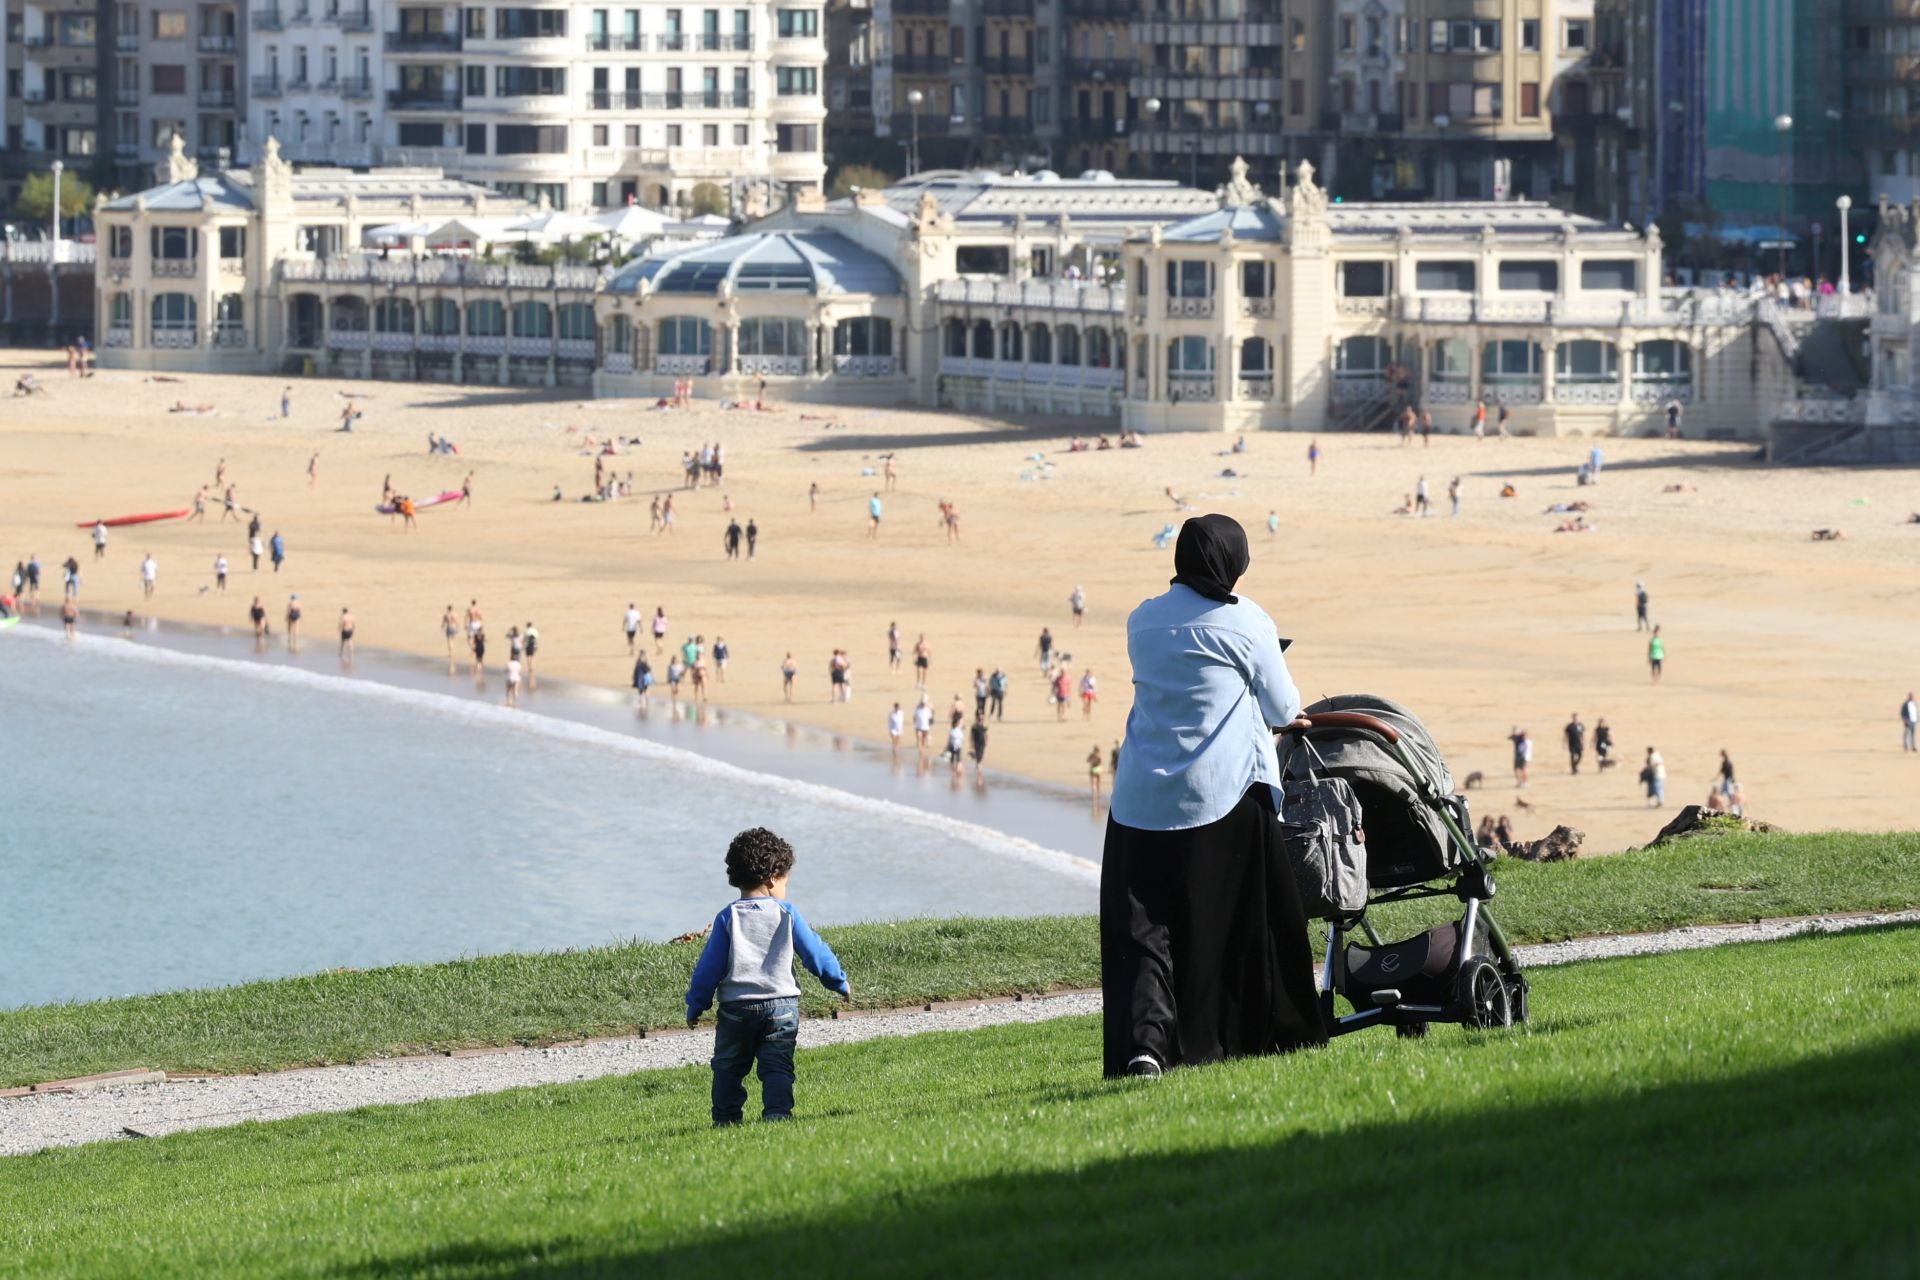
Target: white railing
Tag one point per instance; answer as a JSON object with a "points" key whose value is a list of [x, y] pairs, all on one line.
{"points": [[393, 340], [1701, 309], [576, 348], [864, 366], [177, 268], [175, 339], [1449, 392], [1188, 386], [1363, 306], [1842, 306], [681, 366], [42, 251], [618, 362], [1257, 308], [1820, 409], [1048, 294], [1359, 386], [1517, 392], [493, 344], [119, 338], [1884, 326], [1256, 388], [230, 337], [1659, 391], [1436, 309], [1190, 307], [539, 348], [1586, 392], [347, 339], [422, 157], [965, 367], [233, 266], [438, 343], [774, 366]]}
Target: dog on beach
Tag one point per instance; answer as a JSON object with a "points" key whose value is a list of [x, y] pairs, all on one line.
{"points": [[1473, 781], [1520, 802]]}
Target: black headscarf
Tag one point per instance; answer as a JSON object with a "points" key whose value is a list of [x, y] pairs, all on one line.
{"points": [[1210, 556]]}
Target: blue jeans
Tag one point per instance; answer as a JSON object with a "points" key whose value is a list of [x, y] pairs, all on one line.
{"points": [[747, 1032]]}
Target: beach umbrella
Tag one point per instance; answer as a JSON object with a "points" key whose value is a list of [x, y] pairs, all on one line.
{"points": [[471, 231], [632, 222], [556, 224], [397, 232]]}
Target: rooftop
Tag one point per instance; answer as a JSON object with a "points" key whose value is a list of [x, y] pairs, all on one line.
{"points": [[1462, 217], [814, 262], [985, 196]]}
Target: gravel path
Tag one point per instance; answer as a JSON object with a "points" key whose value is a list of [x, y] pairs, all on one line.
{"points": [[150, 1110]]}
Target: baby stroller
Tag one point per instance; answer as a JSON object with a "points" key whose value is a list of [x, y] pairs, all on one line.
{"points": [[1413, 844]]}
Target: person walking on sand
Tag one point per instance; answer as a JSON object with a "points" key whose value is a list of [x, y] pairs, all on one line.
{"points": [[659, 628], [199, 506], [896, 724], [997, 694], [1576, 742], [788, 668], [873, 516], [676, 672], [922, 661], [1313, 458], [149, 574], [1640, 622], [753, 537], [923, 726], [893, 646], [1062, 692], [813, 496], [1273, 524], [642, 680], [630, 623], [293, 622], [1522, 755], [450, 626], [254, 549], [956, 749], [1453, 495], [1089, 692], [476, 620], [978, 734], [1653, 775], [286, 403], [892, 477], [313, 471], [1506, 412], [1603, 745], [1096, 765], [1656, 654], [257, 614], [1422, 503], [653, 514], [980, 689], [1480, 420], [730, 540], [1727, 784], [347, 628], [1426, 428], [1045, 649], [513, 679], [99, 539], [69, 616], [1078, 603], [1910, 724], [220, 572], [666, 516], [278, 546], [477, 642]]}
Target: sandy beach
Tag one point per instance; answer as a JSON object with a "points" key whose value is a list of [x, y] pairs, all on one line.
{"points": [[1791, 654]]}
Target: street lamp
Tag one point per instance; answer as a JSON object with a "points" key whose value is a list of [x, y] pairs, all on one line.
{"points": [[58, 169], [1152, 107], [1783, 125], [1843, 204], [914, 99]]}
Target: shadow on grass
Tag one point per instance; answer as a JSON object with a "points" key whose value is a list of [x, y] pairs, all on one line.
{"points": [[1793, 1171]]}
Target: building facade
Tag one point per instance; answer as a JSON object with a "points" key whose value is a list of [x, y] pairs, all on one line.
{"points": [[1134, 302]]}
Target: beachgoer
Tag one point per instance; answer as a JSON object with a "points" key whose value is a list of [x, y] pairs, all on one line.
{"points": [[1421, 499], [642, 678], [149, 574], [69, 617], [666, 516], [1576, 741], [1313, 458], [286, 402], [813, 496], [1045, 649], [1910, 724], [748, 964], [676, 672], [956, 747], [1273, 523], [199, 505], [1640, 597], [477, 641], [1062, 692], [313, 471], [731, 539], [630, 623], [893, 646], [1089, 692], [347, 627], [1653, 775], [896, 724], [513, 680], [99, 539], [1480, 420], [293, 620], [873, 516], [70, 578], [1603, 745], [1426, 428], [659, 628], [980, 689], [1727, 783], [1078, 603], [220, 573], [1522, 755], [257, 612], [922, 661], [788, 668], [1656, 653], [1506, 412], [720, 655], [1453, 495], [278, 546], [893, 480], [255, 549], [753, 537], [532, 639], [978, 734], [923, 725]]}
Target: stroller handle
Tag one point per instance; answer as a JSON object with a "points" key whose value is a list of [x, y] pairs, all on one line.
{"points": [[1350, 720]]}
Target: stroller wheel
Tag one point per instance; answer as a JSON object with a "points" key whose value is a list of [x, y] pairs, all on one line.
{"points": [[1517, 996], [1411, 1030], [1483, 995]]}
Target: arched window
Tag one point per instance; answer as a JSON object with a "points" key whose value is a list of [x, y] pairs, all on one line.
{"points": [[576, 322], [532, 320], [982, 340], [348, 314], [1363, 354], [1256, 358], [175, 313], [1067, 345], [306, 315], [174, 244], [773, 338], [1099, 349], [120, 311], [440, 317], [1586, 360], [863, 345], [620, 335], [1190, 368], [486, 318], [393, 315], [1508, 361], [1011, 347], [1663, 360], [1039, 344], [230, 312], [685, 336], [955, 339]]}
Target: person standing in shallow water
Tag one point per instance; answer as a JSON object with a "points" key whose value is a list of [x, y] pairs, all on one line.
{"points": [[1204, 951]]}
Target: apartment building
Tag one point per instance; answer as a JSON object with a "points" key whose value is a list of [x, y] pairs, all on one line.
{"points": [[1883, 94], [169, 69], [314, 72], [62, 53]]}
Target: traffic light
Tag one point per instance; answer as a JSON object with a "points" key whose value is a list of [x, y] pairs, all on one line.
{"points": [[1860, 237]]}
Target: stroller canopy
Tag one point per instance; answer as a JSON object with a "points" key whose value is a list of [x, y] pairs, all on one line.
{"points": [[1402, 801]]}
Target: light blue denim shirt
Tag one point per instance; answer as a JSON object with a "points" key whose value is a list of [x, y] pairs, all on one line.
{"points": [[1209, 682]]}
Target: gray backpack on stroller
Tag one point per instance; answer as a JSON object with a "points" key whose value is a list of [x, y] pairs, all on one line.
{"points": [[1321, 828]]}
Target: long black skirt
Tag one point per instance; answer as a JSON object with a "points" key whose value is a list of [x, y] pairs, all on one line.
{"points": [[1204, 952]]}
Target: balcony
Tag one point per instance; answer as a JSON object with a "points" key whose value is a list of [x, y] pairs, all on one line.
{"points": [[353, 21], [615, 42], [1114, 69], [702, 42], [1007, 8], [268, 20], [1361, 123], [423, 42], [614, 100], [932, 124], [1097, 10], [696, 100], [1006, 126], [1189, 308], [356, 88], [216, 99], [300, 17], [424, 99], [127, 41], [298, 84], [218, 46], [1094, 128], [923, 8], [176, 268], [38, 42], [921, 64], [1008, 64]]}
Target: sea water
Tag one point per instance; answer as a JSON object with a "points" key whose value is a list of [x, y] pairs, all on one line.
{"points": [[177, 820]]}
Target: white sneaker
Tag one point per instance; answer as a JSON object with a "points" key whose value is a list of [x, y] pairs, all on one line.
{"points": [[1144, 1064]]}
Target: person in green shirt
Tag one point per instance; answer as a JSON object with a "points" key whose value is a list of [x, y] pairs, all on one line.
{"points": [[1656, 653]]}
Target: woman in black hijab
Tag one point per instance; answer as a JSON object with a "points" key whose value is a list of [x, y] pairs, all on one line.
{"points": [[1204, 951]]}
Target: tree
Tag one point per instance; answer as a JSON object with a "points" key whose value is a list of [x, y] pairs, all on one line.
{"points": [[706, 197], [36, 196], [863, 176]]}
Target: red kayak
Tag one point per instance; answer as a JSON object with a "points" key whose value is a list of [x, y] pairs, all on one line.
{"points": [[421, 504], [148, 518]]}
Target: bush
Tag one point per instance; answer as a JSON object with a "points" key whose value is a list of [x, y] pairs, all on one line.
{"points": [[863, 177], [36, 196], [707, 197]]}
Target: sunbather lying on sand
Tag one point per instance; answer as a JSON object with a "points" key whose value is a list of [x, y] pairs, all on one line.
{"points": [[1829, 535]]}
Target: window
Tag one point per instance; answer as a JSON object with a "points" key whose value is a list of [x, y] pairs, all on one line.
{"points": [[1256, 281], [1042, 103], [1452, 362], [1510, 360], [863, 336], [740, 135], [797, 137], [525, 81], [1043, 47], [600, 193], [120, 242], [957, 43], [120, 311], [1364, 354], [440, 316], [230, 313], [1539, 275], [169, 79], [1190, 357], [1437, 36], [169, 24], [1530, 34], [476, 82], [78, 87], [601, 133], [982, 260], [631, 135], [576, 321], [175, 312], [476, 139], [233, 242], [1444, 277], [486, 319], [77, 142], [529, 139], [1296, 97], [1663, 360], [1346, 35], [1189, 280], [532, 320], [1610, 273], [1486, 100], [1530, 100], [1256, 358], [529, 24], [1579, 35], [1486, 37], [792, 82], [174, 244], [793, 24], [1586, 361], [476, 22], [1363, 279], [685, 336], [773, 338]]}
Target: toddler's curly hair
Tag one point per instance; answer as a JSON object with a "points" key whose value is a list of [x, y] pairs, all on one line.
{"points": [[757, 857]]}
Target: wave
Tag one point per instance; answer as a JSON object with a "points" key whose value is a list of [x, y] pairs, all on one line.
{"points": [[495, 717]]}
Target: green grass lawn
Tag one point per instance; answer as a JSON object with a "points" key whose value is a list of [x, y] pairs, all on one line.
{"points": [[342, 1016], [1744, 1111]]}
